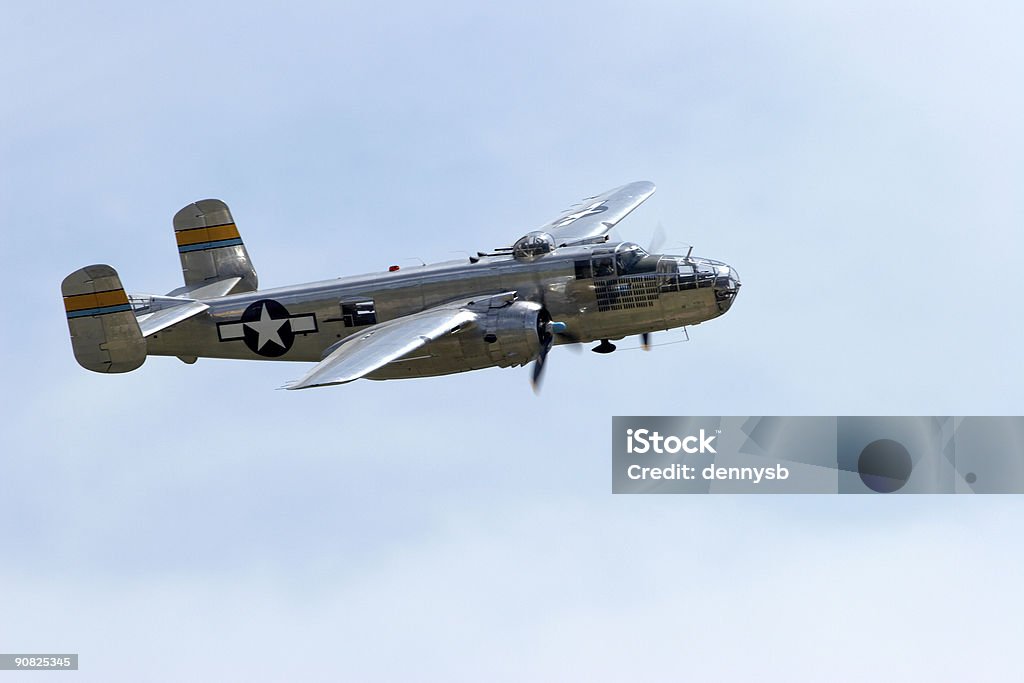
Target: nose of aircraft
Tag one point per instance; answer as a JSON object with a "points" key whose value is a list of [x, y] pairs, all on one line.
{"points": [[727, 286]]}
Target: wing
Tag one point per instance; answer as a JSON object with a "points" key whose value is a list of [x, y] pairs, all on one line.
{"points": [[594, 216], [378, 345]]}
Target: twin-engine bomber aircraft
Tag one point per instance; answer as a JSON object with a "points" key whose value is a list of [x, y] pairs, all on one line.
{"points": [[562, 284]]}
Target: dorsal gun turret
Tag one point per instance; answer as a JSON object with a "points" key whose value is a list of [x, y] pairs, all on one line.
{"points": [[532, 245]]}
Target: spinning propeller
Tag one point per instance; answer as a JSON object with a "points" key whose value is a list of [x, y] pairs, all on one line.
{"points": [[547, 330], [658, 239]]}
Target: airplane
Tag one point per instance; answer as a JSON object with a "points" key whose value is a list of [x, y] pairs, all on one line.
{"points": [[564, 283]]}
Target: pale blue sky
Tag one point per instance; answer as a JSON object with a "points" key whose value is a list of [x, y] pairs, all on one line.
{"points": [[861, 165]]}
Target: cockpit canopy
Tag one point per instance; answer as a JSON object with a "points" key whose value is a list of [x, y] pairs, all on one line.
{"points": [[533, 244], [628, 255], [624, 258]]}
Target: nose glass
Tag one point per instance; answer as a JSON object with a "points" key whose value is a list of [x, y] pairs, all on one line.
{"points": [[727, 285]]}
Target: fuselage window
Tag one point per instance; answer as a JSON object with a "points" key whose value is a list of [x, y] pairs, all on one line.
{"points": [[359, 313], [583, 270], [686, 277], [604, 266]]}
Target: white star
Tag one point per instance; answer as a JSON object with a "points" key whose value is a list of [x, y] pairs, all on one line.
{"points": [[268, 329], [596, 207]]}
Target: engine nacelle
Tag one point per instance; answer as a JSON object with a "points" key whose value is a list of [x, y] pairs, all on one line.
{"points": [[508, 336], [504, 336]]}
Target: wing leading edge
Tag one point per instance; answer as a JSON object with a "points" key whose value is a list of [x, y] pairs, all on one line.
{"points": [[594, 216], [378, 345]]}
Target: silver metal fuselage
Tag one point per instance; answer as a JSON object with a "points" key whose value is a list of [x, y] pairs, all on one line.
{"points": [[573, 283]]}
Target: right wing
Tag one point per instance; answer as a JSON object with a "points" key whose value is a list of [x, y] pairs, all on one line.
{"points": [[378, 345], [594, 216]]}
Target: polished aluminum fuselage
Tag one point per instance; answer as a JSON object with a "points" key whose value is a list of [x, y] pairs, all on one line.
{"points": [[592, 308]]}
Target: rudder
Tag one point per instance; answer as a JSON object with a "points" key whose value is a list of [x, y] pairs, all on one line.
{"points": [[211, 247], [104, 333]]}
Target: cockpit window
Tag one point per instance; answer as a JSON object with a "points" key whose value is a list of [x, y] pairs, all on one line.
{"points": [[627, 256], [604, 266]]}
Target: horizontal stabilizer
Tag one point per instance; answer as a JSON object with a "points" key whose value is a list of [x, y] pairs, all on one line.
{"points": [[212, 290], [104, 334], [151, 323]]}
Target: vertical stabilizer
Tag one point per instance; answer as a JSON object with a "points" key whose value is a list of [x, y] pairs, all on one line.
{"points": [[211, 248], [104, 333]]}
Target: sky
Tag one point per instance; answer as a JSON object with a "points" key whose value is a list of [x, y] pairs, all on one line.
{"points": [[860, 164]]}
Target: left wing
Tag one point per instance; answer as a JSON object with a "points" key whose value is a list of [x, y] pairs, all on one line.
{"points": [[594, 216], [378, 345]]}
